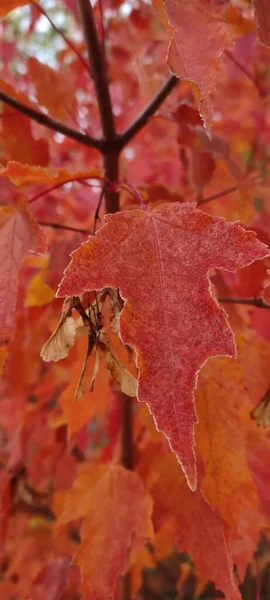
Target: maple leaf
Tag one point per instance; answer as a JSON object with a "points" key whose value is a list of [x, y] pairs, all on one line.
{"points": [[197, 527], [159, 260], [22, 174], [115, 506], [32, 150], [221, 437], [19, 234], [62, 103], [200, 31]]}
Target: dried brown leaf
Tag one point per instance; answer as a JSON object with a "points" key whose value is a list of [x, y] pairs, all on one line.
{"points": [[62, 339], [119, 373], [86, 380], [261, 412]]}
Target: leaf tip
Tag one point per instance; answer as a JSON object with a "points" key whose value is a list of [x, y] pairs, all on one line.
{"points": [[190, 473]]}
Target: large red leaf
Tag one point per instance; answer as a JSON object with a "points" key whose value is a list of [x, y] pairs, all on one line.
{"points": [[115, 506], [159, 260], [19, 234]]}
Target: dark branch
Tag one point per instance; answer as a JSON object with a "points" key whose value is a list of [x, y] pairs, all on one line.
{"points": [[47, 121], [110, 150], [259, 302], [98, 68], [148, 112], [65, 227], [229, 190], [127, 457]]}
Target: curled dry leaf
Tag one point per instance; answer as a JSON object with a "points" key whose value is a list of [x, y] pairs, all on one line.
{"points": [[116, 306], [119, 373], [261, 412], [62, 339], [86, 381]]}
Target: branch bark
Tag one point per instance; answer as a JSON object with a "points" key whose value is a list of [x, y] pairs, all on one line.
{"points": [[47, 121], [96, 57]]}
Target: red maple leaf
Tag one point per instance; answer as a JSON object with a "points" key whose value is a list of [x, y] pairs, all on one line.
{"points": [[160, 261]]}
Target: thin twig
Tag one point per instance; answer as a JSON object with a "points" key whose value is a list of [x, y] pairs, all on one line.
{"points": [[102, 28], [127, 455], [56, 186], [245, 71], [66, 40], [42, 119], [96, 217], [148, 112], [258, 302], [65, 227], [229, 190]]}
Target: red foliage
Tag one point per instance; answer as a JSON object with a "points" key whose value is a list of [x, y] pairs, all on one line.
{"points": [[90, 489]]}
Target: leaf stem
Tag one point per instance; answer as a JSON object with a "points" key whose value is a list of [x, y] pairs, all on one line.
{"points": [[148, 112], [258, 302]]}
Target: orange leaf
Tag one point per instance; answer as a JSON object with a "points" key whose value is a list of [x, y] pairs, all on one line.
{"points": [[62, 103], [197, 527], [115, 506], [31, 150], [7, 6], [221, 436], [23, 174]]}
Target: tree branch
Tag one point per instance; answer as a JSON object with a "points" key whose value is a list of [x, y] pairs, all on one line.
{"points": [[110, 150], [148, 112], [47, 121], [259, 302], [64, 227], [98, 68], [111, 166], [229, 190], [127, 458]]}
